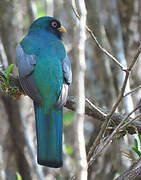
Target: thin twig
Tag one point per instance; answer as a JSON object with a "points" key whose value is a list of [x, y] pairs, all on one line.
{"points": [[105, 125], [94, 107], [131, 120], [97, 113], [109, 140], [132, 91], [135, 58], [132, 172], [128, 115], [98, 44], [90, 109], [108, 118], [128, 155]]}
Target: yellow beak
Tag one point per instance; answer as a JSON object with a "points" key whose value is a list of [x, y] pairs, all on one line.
{"points": [[62, 29]]}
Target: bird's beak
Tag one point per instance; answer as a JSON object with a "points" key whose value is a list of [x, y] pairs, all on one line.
{"points": [[62, 29]]}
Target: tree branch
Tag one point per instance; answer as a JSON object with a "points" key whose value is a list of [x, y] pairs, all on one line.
{"points": [[133, 90], [99, 114], [80, 151], [116, 104], [90, 109], [92, 158], [98, 44], [132, 172]]}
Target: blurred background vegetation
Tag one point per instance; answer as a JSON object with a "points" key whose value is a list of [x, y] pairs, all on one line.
{"points": [[117, 26]]}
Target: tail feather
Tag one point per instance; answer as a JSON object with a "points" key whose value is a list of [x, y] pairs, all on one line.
{"points": [[49, 137]]}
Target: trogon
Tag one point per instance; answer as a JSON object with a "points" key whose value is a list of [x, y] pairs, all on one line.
{"points": [[45, 75]]}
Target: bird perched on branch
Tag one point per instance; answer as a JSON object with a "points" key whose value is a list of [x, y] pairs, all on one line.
{"points": [[45, 75]]}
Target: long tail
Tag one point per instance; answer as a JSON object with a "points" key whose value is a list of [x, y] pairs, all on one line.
{"points": [[49, 137]]}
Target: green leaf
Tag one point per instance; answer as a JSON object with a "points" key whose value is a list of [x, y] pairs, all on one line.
{"points": [[136, 143], [18, 176], [139, 135], [137, 151], [9, 69], [68, 149], [125, 122], [7, 73], [68, 118]]}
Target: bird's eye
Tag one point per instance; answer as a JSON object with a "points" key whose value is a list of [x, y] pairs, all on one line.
{"points": [[54, 24]]}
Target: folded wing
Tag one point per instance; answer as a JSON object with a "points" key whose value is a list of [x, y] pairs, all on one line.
{"points": [[26, 64], [67, 72]]}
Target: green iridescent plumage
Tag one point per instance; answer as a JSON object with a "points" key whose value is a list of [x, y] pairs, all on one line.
{"points": [[45, 73]]}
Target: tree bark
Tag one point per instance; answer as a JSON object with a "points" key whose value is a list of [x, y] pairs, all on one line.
{"points": [[80, 152]]}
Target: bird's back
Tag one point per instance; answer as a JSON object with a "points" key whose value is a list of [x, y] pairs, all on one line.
{"points": [[45, 74], [48, 76], [48, 73]]}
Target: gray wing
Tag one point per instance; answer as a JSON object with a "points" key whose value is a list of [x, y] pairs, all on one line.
{"points": [[67, 81], [67, 70], [26, 64]]}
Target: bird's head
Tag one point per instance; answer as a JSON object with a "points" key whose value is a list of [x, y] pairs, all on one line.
{"points": [[48, 24]]}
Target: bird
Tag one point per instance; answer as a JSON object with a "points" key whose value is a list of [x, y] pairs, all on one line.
{"points": [[45, 74]]}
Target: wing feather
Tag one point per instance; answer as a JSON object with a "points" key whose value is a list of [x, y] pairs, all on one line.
{"points": [[67, 70], [67, 81], [26, 64]]}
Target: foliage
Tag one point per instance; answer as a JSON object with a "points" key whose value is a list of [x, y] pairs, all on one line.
{"points": [[18, 176], [5, 82], [136, 147]]}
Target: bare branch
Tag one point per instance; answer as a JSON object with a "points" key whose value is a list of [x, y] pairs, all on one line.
{"points": [[99, 45], [95, 108], [135, 58], [132, 172], [108, 118], [97, 113], [127, 71], [116, 130], [110, 114], [131, 120], [132, 91], [90, 109]]}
